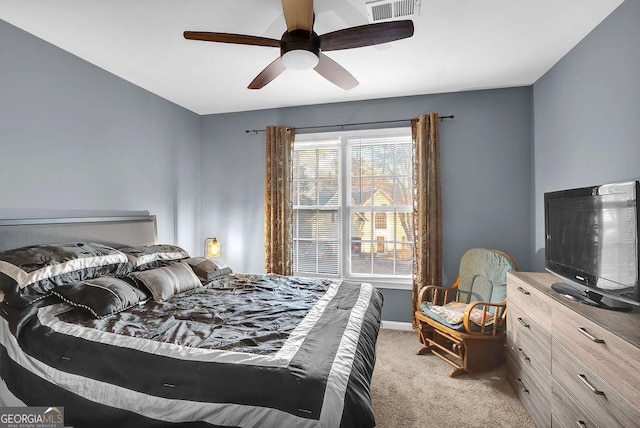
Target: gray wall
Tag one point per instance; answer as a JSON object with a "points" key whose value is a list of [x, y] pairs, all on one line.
{"points": [[486, 174], [75, 138], [587, 114]]}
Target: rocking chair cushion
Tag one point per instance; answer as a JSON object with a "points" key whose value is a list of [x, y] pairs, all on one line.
{"points": [[452, 314]]}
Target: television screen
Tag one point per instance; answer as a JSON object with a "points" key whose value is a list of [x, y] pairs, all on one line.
{"points": [[592, 237]]}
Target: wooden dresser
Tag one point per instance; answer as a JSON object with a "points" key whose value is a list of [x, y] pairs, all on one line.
{"points": [[571, 365]]}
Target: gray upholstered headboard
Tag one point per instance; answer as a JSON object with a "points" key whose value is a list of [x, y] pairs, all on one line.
{"points": [[112, 231]]}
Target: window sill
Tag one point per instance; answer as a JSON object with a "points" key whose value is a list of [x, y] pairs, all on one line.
{"points": [[386, 283]]}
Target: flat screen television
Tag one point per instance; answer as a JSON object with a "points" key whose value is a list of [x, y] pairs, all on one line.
{"points": [[591, 243]]}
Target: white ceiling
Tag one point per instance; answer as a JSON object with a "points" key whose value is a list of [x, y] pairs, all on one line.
{"points": [[458, 45]]}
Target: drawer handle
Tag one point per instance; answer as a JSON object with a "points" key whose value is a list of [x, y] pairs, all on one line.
{"points": [[524, 356], [523, 291], [589, 336], [522, 387], [581, 424], [593, 389], [521, 321]]}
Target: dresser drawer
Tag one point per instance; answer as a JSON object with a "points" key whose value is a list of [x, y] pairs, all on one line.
{"points": [[529, 396], [610, 357], [530, 350], [524, 332], [566, 412], [599, 400], [524, 295], [537, 378]]}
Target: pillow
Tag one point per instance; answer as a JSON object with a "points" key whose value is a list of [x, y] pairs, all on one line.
{"points": [[453, 313], [207, 269], [151, 256], [30, 273], [164, 282], [102, 296]]}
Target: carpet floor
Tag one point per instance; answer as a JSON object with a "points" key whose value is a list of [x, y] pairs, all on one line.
{"points": [[410, 390]]}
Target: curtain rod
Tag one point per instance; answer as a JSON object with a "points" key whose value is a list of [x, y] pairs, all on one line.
{"points": [[342, 125]]}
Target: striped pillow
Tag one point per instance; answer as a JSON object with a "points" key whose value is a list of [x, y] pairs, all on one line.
{"points": [[151, 256], [30, 273], [164, 282], [207, 269], [102, 296]]}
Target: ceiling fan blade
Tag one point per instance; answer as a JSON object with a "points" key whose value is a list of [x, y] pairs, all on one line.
{"points": [[239, 39], [335, 73], [298, 14], [270, 72], [366, 35]]}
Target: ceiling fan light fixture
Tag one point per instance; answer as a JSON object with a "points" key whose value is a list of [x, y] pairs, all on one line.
{"points": [[300, 49], [300, 45], [300, 59]]}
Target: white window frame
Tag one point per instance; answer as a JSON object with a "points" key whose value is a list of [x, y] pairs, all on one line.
{"points": [[340, 139]]}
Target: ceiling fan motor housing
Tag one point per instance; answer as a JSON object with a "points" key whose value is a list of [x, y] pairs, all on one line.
{"points": [[298, 44]]}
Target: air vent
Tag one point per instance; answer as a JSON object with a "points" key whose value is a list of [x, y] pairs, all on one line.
{"points": [[388, 10]]}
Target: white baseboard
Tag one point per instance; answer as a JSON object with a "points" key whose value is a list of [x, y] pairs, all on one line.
{"points": [[397, 325]]}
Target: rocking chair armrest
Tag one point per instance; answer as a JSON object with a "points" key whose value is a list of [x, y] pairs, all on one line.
{"points": [[431, 292], [498, 317]]}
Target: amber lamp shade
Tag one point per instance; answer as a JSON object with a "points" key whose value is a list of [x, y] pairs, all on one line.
{"points": [[211, 247]]}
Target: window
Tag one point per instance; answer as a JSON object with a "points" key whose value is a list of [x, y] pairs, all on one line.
{"points": [[353, 204], [316, 203]]}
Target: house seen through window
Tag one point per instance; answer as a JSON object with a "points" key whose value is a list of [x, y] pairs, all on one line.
{"points": [[353, 204]]}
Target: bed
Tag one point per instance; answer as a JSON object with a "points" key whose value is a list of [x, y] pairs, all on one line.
{"points": [[123, 335]]}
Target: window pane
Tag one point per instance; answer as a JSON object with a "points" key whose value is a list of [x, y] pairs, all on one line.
{"points": [[404, 260], [356, 161], [403, 191], [361, 192], [328, 258], [304, 224], [306, 257], [307, 193], [305, 164], [383, 261], [383, 159], [404, 227], [328, 194], [360, 260], [359, 227], [295, 255], [327, 225], [328, 163], [365, 161], [403, 159], [383, 192]]}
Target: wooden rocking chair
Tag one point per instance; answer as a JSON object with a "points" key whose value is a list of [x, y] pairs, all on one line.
{"points": [[464, 324]]}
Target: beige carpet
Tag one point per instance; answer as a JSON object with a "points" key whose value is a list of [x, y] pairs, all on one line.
{"points": [[410, 390]]}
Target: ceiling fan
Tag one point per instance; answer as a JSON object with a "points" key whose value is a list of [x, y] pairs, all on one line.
{"points": [[301, 48]]}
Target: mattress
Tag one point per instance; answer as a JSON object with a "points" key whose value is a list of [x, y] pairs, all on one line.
{"points": [[243, 350]]}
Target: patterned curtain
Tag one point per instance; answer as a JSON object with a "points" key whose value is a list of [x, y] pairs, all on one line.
{"points": [[427, 206], [278, 206]]}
